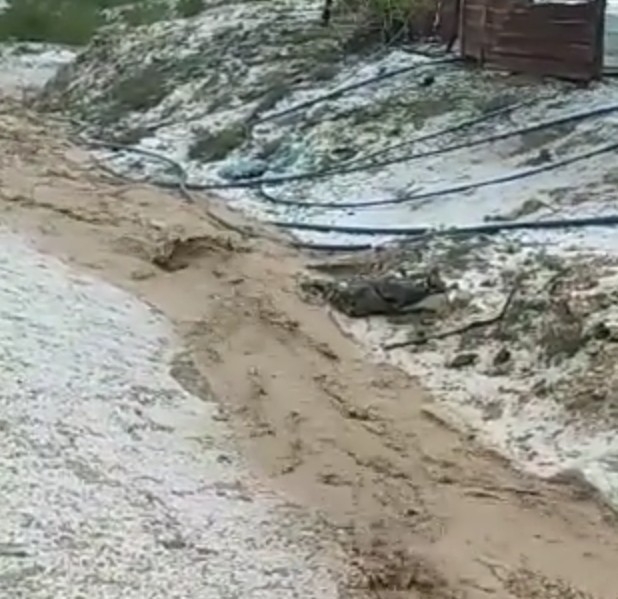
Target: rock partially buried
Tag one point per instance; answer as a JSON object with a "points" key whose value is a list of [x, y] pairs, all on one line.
{"points": [[502, 357], [463, 360], [364, 297]]}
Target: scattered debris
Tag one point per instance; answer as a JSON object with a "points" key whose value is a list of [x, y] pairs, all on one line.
{"points": [[176, 252], [401, 570], [536, 377], [475, 324]]}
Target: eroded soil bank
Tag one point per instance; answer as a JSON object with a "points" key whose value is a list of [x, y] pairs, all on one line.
{"points": [[419, 510]]}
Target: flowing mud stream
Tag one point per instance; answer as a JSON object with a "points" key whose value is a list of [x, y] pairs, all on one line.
{"points": [[146, 349]]}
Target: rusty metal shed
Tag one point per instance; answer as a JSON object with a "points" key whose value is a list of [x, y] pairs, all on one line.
{"points": [[554, 38]]}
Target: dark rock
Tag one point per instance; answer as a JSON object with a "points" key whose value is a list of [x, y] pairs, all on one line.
{"points": [[427, 80], [174, 543], [543, 157], [383, 296], [600, 331], [604, 332], [502, 357], [343, 152], [463, 360], [541, 388]]}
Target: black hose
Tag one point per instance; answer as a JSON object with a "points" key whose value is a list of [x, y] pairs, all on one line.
{"points": [[486, 228], [331, 247], [424, 195], [485, 116], [350, 166], [180, 183], [345, 169], [435, 152], [482, 229], [120, 147], [350, 87]]}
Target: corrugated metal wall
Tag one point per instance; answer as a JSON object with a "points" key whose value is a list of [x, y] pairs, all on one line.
{"points": [[562, 40]]}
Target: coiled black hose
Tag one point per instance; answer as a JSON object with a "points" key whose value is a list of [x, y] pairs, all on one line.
{"points": [[358, 164], [332, 171], [408, 232]]}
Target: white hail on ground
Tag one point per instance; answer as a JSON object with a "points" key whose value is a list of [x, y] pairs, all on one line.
{"points": [[114, 481]]}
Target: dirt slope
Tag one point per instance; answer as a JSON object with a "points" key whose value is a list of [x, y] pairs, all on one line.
{"points": [[422, 511]]}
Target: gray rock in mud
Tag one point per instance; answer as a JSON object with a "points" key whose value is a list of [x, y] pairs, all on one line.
{"points": [[604, 331], [379, 296], [464, 359], [502, 357]]}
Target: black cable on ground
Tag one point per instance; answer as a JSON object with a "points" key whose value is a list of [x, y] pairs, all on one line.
{"points": [[119, 147], [487, 228], [180, 184], [424, 195], [352, 86], [350, 166], [346, 169], [485, 116], [332, 247], [427, 153], [482, 229], [186, 194]]}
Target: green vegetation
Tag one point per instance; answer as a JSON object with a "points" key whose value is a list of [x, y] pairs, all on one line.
{"points": [[140, 91], [74, 22], [63, 21], [209, 147], [393, 18], [189, 8], [145, 12]]}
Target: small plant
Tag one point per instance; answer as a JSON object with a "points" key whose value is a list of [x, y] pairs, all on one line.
{"points": [[210, 147], [141, 91], [392, 18], [145, 12], [189, 8]]}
